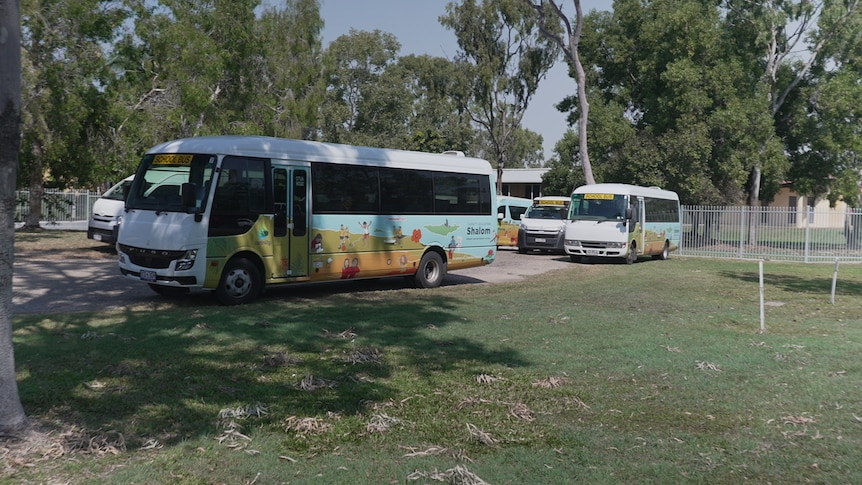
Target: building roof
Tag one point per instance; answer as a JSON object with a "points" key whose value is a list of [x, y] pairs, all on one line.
{"points": [[523, 175]]}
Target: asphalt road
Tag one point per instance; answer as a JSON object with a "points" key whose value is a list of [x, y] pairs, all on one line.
{"points": [[50, 286]]}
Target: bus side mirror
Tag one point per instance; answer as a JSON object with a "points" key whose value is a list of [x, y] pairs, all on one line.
{"points": [[628, 213], [500, 217], [187, 193]]}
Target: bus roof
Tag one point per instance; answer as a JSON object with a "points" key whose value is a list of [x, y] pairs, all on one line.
{"points": [[626, 189], [514, 200], [312, 151]]}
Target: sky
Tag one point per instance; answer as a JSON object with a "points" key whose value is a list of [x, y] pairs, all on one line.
{"points": [[416, 26]]}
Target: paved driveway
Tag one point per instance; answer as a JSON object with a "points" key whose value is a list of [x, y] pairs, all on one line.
{"points": [[51, 286]]}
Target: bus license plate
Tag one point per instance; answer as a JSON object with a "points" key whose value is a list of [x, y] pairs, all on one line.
{"points": [[592, 252], [541, 240], [148, 275]]}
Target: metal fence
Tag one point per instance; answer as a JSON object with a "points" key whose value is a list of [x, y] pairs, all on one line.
{"points": [[785, 234], [58, 205]]}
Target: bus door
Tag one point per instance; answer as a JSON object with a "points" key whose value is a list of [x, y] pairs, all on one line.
{"points": [[292, 218], [636, 225]]}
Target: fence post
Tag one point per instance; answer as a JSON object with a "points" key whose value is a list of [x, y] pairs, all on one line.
{"points": [[742, 211], [809, 216]]}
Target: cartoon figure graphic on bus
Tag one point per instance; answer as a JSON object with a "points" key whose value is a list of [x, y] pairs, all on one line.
{"points": [[344, 237], [317, 243], [398, 234], [453, 245], [365, 232]]}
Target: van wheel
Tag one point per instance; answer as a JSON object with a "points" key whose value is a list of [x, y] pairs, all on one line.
{"points": [[632, 256], [431, 271], [240, 283]]}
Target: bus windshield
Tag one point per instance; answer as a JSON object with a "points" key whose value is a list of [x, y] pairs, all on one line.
{"points": [[598, 207], [159, 181]]}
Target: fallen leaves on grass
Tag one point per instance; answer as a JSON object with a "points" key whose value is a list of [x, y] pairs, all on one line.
{"points": [[306, 426], [369, 355], [459, 475], [280, 359], [311, 383], [347, 334], [708, 366], [488, 379], [481, 436], [551, 382], [522, 412]]}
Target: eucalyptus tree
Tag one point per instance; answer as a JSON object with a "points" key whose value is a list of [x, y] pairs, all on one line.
{"points": [[801, 52], [437, 121], [365, 104], [12, 416], [698, 125], [500, 48], [65, 72], [568, 41], [289, 75]]}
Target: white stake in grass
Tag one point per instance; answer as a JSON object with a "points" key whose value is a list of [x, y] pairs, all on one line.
{"points": [[762, 314], [834, 280]]}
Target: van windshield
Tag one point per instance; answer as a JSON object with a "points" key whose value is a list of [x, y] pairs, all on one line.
{"points": [[160, 177], [117, 192], [547, 212]]}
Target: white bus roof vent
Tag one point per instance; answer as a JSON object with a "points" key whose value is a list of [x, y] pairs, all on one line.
{"points": [[457, 153]]}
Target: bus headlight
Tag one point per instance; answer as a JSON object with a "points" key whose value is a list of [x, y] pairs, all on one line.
{"points": [[187, 261], [616, 245], [572, 242]]}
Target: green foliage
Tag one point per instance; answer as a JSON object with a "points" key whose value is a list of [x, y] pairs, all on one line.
{"points": [[504, 56]]}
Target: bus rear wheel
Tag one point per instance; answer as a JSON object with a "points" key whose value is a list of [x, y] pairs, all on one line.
{"points": [[240, 283], [664, 254], [431, 271]]}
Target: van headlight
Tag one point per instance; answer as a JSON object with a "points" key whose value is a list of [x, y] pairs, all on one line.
{"points": [[573, 242], [187, 261]]}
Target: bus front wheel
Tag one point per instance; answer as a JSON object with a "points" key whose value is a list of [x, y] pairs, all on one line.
{"points": [[431, 271], [632, 255], [240, 283]]}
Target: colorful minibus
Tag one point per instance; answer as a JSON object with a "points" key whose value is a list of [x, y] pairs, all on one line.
{"points": [[622, 221], [509, 212], [236, 214]]}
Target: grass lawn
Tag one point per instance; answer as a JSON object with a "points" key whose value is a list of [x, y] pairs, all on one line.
{"points": [[606, 373]]}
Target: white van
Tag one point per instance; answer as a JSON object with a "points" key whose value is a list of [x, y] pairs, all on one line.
{"points": [[543, 226], [105, 218]]}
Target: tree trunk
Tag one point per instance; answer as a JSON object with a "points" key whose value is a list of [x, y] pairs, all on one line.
{"points": [[12, 417], [583, 104], [34, 216]]}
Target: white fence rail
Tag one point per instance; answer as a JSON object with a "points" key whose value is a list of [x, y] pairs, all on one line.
{"points": [[58, 205], [784, 234]]}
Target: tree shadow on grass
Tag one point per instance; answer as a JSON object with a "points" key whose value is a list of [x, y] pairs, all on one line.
{"points": [[158, 374]]}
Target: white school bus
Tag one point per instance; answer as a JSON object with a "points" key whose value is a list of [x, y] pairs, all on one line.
{"points": [[234, 214], [543, 226], [622, 221]]}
